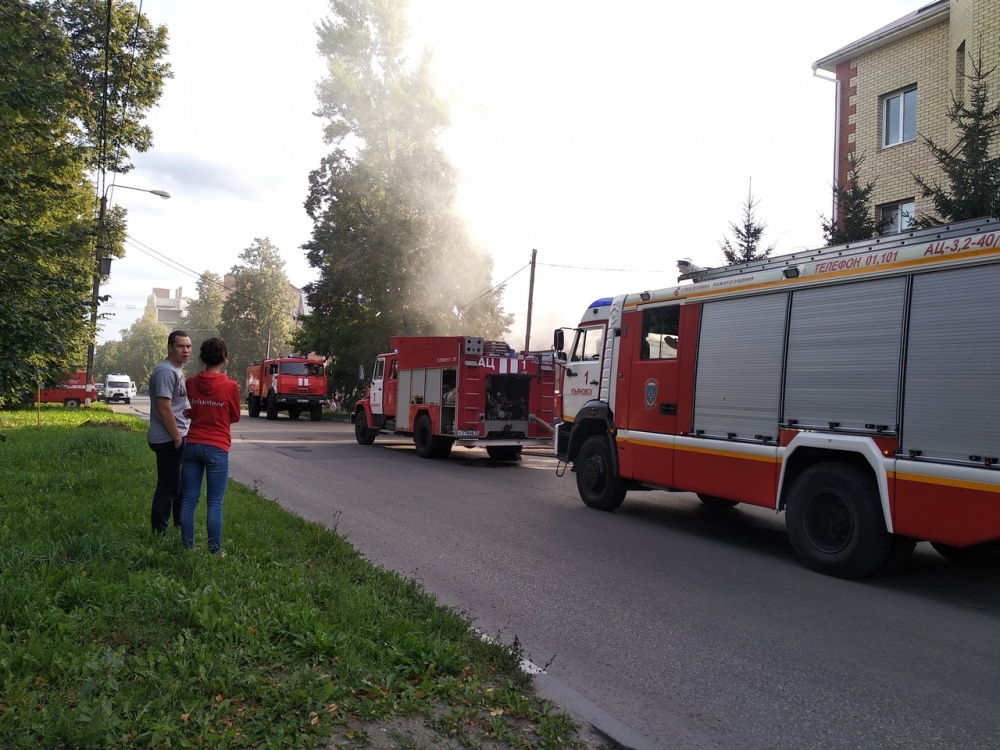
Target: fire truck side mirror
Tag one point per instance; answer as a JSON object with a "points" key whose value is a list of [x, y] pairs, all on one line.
{"points": [[558, 341], [361, 373]]}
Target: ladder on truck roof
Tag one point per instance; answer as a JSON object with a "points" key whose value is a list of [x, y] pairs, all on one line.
{"points": [[887, 242]]}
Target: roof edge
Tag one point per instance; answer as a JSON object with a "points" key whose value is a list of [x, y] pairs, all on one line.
{"points": [[919, 20]]}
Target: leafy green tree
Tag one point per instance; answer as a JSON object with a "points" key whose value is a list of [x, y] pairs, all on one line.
{"points": [[746, 242], [392, 256], [143, 345], [204, 315], [972, 175], [257, 316], [855, 220], [136, 70], [45, 235], [47, 207]]}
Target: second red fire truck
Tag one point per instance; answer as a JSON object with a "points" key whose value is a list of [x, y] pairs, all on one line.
{"points": [[459, 390], [292, 384], [853, 387]]}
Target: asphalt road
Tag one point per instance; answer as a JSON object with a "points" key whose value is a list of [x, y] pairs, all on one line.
{"points": [[676, 627]]}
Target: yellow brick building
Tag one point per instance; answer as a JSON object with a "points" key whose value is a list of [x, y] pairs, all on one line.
{"points": [[895, 87]]}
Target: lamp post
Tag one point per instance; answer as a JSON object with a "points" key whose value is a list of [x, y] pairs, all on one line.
{"points": [[102, 267]]}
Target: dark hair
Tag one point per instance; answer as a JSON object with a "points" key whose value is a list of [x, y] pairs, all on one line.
{"points": [[173, 337], [214, 352]]}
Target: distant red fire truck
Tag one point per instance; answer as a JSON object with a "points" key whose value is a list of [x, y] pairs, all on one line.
{"points": [[459, 390], [292, 384]]}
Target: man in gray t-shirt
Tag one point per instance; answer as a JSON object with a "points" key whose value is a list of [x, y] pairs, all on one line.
{"points": [[167, 428]]}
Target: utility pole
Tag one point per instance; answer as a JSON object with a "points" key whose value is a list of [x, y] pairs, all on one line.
{"points": [[95, 300], [531, 295]]}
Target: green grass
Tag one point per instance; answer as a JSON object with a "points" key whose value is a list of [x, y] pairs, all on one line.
{"points": [[111, 637]]}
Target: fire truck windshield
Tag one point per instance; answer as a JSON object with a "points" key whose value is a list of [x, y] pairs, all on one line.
{"points": [[310, 369]]}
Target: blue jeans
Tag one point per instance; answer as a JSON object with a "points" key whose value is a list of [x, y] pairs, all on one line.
{"points": [[213, 462]]}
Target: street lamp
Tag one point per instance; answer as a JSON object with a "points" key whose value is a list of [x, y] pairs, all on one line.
{"points": [[102, 267]]}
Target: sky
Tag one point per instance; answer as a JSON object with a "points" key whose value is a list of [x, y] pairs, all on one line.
{"points": [[613, 138]]}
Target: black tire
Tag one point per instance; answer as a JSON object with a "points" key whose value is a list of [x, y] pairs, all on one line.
{"points": [[129, 401], [717, 503], [444, 446], [71, 403], [985, 556], [362, 433], [595, 479], [504, 452], [423, 437], [294, 412], [899, 555], [271, 406], [315, 413], [253, 406], [835, 522]]}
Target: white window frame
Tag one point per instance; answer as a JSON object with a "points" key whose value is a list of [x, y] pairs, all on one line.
{"points": [[890, 138], [898, 217]]}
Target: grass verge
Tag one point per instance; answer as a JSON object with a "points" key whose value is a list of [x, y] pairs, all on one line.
{"points": [[111, 637]]}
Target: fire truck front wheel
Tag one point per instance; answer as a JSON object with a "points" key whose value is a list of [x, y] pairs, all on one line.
{"points": [[362, 432], [272, 406], [595, 478], [835, 523]]}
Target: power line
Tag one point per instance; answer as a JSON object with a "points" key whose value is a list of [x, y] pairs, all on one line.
{"points": [[494, 288]]}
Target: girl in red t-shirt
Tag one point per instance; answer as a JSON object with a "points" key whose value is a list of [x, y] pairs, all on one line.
{"points": [[215, 404]]}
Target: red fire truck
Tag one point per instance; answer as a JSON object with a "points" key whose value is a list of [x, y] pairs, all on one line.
{"points": [[853, 387], [71, 392], [459, 390], [292, 384]]}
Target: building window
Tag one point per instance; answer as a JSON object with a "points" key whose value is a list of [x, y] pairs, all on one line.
{"points": [[898, 217], [899, 117]]}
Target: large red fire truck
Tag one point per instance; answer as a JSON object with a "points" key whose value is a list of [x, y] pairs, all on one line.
{"points": [[855, 387], [71, 392], [292, 384], [459, 390]]}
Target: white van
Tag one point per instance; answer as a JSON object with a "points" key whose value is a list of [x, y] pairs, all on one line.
{"points": [[118, 387]]}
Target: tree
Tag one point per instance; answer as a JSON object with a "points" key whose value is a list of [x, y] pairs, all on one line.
{"points": [[973, 176], [143, 345], [392, 255], [257, 317], [747, 236], [855, 220], [47, 206], [136, 70], [204, 315]]}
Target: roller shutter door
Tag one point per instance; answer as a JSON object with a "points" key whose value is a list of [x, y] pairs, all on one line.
{"points": [[739, 367], [844, 346], [952, 382]]}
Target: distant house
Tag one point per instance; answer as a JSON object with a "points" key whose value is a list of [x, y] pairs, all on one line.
{"points": [[895, 86]]}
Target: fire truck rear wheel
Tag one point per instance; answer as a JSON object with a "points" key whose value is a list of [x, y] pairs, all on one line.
{"points": [[423, 437], [984, 556], [315, 413], [272, 406], [595, 479], [253, 406], [362, 433], [294, 412], [72, 403], [835, 523], [444, 446]]}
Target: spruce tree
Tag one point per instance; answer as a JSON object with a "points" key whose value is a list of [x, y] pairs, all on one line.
{"points": [[855, 220], [747, 236], [972, 175]]}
